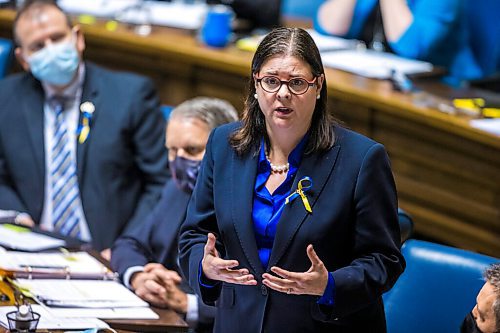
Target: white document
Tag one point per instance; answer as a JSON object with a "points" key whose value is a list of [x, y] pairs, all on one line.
{"points": [[488, 125], [372, 64], [330, 43], [72, 262], [108, 313], [177, 15], [171, 14], [20, 238], [49, 321], [99, 8], [81, 293]]}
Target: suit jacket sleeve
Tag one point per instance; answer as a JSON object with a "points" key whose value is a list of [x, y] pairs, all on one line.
{"points": [[378, 262], [200, 220], [9, 199], [133, 248], [148, 137]]}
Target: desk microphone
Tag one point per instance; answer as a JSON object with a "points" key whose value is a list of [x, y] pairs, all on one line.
{"points": [[23, 320]]}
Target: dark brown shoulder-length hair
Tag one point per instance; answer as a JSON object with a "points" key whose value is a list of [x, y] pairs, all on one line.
{"points": [[287, 42]]}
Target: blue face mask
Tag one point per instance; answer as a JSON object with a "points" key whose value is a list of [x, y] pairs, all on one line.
{"points": [[184, 172], [55, 64]]}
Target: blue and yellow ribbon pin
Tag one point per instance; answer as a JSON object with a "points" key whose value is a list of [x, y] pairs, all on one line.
{"points": [[303, 186], [87, 109]]}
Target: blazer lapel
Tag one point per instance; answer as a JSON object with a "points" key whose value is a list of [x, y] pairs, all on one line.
{"points": [[318, 167], [243, 174], [32, 108], [89, 94]]}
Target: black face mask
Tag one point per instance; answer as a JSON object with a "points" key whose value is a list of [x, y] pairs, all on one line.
{"points": [[184, 172], [469, 325]]}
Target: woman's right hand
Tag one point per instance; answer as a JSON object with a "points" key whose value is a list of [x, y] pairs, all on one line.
{"points": [[216, 268]]}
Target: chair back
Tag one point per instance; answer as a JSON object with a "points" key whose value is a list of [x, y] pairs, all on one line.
{"points": [[437, 289], [405, 225], [6, 55]]}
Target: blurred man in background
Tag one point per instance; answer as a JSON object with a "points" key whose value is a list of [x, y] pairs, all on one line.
{"points": [[485, 316], [81, 148]]}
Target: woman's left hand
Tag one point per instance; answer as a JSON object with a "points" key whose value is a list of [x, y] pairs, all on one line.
{"points": [[312, 282]]}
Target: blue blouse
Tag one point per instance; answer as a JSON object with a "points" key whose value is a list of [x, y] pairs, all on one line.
{"points": [[267, 209]]}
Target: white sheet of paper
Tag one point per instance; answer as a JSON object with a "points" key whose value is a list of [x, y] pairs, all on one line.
{"points": [[177, 15], [107, 313], [330, 43], [488, 125], [74, 262], [49, 321], [170, 14], [23, 239], [99, 8], [81, 293], [372, 64]]}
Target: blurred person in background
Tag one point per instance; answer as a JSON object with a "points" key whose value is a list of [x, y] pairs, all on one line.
{"points": [[146, 258], [433, 31], [485, 316], [81, 148]]}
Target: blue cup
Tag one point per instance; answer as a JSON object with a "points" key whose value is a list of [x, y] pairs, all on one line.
{"points": [[216, 30]]}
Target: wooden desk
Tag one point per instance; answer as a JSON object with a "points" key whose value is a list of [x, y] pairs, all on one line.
{"points": [[447, 173]]}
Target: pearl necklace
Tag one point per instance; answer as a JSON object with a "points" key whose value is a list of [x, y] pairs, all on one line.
{"points": [[278, 168]]}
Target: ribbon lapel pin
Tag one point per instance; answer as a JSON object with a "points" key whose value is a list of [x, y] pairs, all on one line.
{"points": [[87, 109], [303, 186]]}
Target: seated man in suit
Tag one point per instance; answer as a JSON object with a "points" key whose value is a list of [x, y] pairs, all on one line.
{"points": [[146, 258], [485, 317], [80, 146]]}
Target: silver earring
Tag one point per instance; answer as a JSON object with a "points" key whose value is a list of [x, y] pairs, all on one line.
{"points": [[318, 97], [255, 95]]}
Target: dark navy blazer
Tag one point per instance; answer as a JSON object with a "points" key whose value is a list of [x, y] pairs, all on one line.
{"points": [[156, 241], [353, 228], [121, 167]]}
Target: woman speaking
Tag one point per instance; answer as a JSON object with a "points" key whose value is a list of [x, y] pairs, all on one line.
{"points": [[292, 225]]}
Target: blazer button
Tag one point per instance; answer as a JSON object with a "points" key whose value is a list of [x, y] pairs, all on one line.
{"points": [[263, 290]]}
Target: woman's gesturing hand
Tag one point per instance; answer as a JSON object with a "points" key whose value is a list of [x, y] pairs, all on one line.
{"points": [[216, 268], [312, 282]]}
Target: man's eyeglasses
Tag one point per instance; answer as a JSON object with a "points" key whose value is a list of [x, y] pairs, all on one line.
{"points": [[297, 86]]}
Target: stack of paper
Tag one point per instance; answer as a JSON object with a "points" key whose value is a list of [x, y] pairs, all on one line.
{"points": [[20, 238], [87, 298], [56, 264], [323, 42], [488, 125], [177, 15], [171, 14], [331, 43], [372, 64], [99, 8]]}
